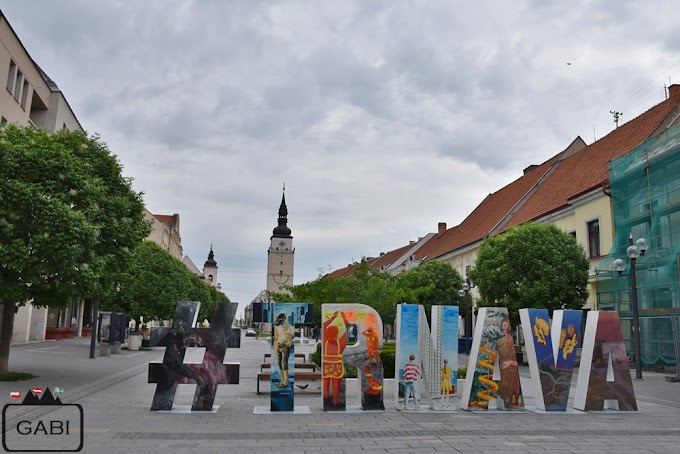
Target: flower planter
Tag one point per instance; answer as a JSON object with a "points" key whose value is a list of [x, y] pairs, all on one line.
{"points": [[55, 333], [134, 341]]}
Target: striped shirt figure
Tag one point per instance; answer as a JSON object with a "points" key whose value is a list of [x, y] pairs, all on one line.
{"points": [[411, 375]]}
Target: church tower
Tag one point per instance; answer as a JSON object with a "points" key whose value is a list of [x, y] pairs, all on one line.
{"points": [[281, 254], [210, 269]]}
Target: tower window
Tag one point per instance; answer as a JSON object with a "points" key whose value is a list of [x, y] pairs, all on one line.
{"points": [[210, 277], [280, 271]]}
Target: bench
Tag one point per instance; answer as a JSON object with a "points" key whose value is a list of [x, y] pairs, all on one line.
{"points": [[298, 366], [299, 376], [301, 356]]}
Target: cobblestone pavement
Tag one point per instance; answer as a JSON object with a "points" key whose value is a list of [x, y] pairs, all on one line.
{"points": [[118, 419]]}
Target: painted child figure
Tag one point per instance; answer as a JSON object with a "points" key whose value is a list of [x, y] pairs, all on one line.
{"points": [[446, 386], [411, 375]]}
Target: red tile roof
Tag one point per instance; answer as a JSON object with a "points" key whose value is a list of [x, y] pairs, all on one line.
{"points": [[433, 243], [349, 269], [588, 169], [491, 211], [165, 218], [386, 259]]}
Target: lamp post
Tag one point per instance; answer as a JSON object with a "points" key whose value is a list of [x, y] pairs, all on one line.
{"points": [[464, 293], [634, 251]]}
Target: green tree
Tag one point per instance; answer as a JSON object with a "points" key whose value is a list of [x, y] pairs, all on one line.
{"points": [[432, 283], [68, 220], [156, 281], [531, 266]]}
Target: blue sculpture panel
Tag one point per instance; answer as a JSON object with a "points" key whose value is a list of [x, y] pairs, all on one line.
{"points": [[284, 317]]}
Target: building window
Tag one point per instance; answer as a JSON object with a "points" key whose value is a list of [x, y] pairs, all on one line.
{"points": [[17, 86], [593, 228], [573, 233], [3, 121], [11, 75], [210, 277], [24, 94]]}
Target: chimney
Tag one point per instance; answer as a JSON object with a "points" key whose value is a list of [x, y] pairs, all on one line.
{"points": [[441, 228], [530, 168], [674, 92]]}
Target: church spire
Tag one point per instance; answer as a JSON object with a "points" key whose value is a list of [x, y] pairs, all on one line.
{"points": [[211, 259], [282, 229]]}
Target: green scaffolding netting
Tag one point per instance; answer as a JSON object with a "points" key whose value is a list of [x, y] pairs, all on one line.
{"points": [[645, 189]]}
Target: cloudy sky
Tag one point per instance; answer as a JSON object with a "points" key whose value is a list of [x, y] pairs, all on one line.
{"points": [[382, 117]]}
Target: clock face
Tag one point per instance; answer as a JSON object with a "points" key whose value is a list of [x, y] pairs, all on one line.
{"points": [[280, 279], [282, 243]]}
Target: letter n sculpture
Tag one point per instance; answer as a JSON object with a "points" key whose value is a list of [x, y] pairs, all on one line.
{"points": [[212, 371]]}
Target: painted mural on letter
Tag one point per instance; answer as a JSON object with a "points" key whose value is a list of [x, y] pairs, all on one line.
{"points": [[493, 342], [604, 375], [435, 354], [365, 355], [284, 317], [552, 353]]}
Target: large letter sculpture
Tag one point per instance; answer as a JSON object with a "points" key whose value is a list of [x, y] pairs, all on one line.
{"points": [[551, 354], [208, 374], [365, 325], [284, 317], [436, 351], [493, 344], [604, 380]]}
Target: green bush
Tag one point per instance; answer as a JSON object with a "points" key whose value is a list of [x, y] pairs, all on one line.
{"points": [[462, 372], [386, 357]]}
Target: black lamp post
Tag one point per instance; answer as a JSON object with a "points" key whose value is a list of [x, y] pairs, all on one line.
{"points": [[634, 251], [464, 293]]}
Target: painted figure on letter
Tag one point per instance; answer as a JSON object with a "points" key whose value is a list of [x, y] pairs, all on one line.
{"points": [[411, 376], [334, 338], [446, 386], [509, 387], [284, 335]]}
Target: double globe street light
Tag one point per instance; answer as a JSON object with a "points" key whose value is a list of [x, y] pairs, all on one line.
{"points": [[634, 251]]}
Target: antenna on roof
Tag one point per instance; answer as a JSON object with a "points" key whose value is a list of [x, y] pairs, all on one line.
{"points": [[616, 116]]}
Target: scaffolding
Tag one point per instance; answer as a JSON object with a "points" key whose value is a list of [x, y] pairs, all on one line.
{"points": [[645, 190]]}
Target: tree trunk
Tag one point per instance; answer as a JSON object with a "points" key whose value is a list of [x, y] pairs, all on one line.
{"points": [[94, 323], [6, 336]]}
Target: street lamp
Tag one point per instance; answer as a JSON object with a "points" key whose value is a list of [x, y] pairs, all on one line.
{"points": [[464, 293], [634, 251]]}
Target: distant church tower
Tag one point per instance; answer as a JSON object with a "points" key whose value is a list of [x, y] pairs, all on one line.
{"points": [[281, 254], [210, 269]]}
